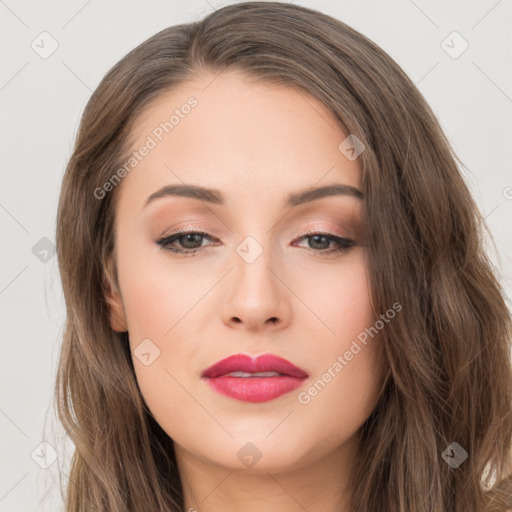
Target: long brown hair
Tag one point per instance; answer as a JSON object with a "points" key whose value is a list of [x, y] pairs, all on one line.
{"points": [[449, 375]]}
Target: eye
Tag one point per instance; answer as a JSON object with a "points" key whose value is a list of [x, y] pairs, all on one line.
{"points": [[191, 242], [319, 240], [188, 239]]}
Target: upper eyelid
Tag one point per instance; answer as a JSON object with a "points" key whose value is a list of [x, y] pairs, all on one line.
{"points": [[193, 229]]}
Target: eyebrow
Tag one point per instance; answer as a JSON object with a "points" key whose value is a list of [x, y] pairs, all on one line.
{"points": [[214, 196]]}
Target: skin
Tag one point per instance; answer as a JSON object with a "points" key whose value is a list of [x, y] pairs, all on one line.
{"points": [[256, 143]]}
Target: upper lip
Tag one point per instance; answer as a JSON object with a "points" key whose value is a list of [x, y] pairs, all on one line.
{"points": [[262, 363]]}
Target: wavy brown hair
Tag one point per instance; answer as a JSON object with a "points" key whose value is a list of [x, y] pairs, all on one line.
{"points": [[449, 375]]}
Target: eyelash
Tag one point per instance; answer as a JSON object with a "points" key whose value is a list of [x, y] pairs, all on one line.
{"points": [[344, 243]]}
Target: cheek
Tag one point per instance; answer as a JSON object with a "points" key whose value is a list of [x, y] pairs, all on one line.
{"points": [[347, 359], [154, 296], [156, 305], [338, 299]]}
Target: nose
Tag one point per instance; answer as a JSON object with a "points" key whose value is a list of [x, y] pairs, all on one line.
{"points": [[258, 298]]}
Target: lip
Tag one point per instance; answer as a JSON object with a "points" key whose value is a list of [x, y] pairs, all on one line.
{"points": [[254, 389]]}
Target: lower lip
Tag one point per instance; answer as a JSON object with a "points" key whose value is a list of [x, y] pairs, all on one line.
{"points": [[254, 389]]}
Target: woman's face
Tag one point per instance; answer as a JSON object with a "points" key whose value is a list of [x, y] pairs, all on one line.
{"points": [[257, 284]]}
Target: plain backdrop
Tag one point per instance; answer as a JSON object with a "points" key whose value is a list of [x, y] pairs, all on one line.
{"points": [[42, 98]]}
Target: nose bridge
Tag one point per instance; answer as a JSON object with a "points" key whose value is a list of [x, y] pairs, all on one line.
{"points": [[254, 248], [255, 260], [256, 292]]}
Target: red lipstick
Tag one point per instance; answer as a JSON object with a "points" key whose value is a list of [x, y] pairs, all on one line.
{"points": [[254, 380]]}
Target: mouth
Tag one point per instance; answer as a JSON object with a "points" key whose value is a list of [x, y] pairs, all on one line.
{"points": [[254, 380]]}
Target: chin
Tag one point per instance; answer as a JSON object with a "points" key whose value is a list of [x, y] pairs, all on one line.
{"points": [[252, 452]]}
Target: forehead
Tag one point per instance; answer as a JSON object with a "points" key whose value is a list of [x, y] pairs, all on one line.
{"points": [[247, 139]]}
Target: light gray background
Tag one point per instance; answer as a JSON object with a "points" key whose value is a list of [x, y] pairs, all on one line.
{"points": [[42, 100]]}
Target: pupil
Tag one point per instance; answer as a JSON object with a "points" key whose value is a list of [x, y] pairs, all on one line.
{"points": [[189, 238], [316, 237]]}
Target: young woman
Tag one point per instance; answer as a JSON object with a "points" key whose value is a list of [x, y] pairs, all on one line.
{"points": [[277, 294]]}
